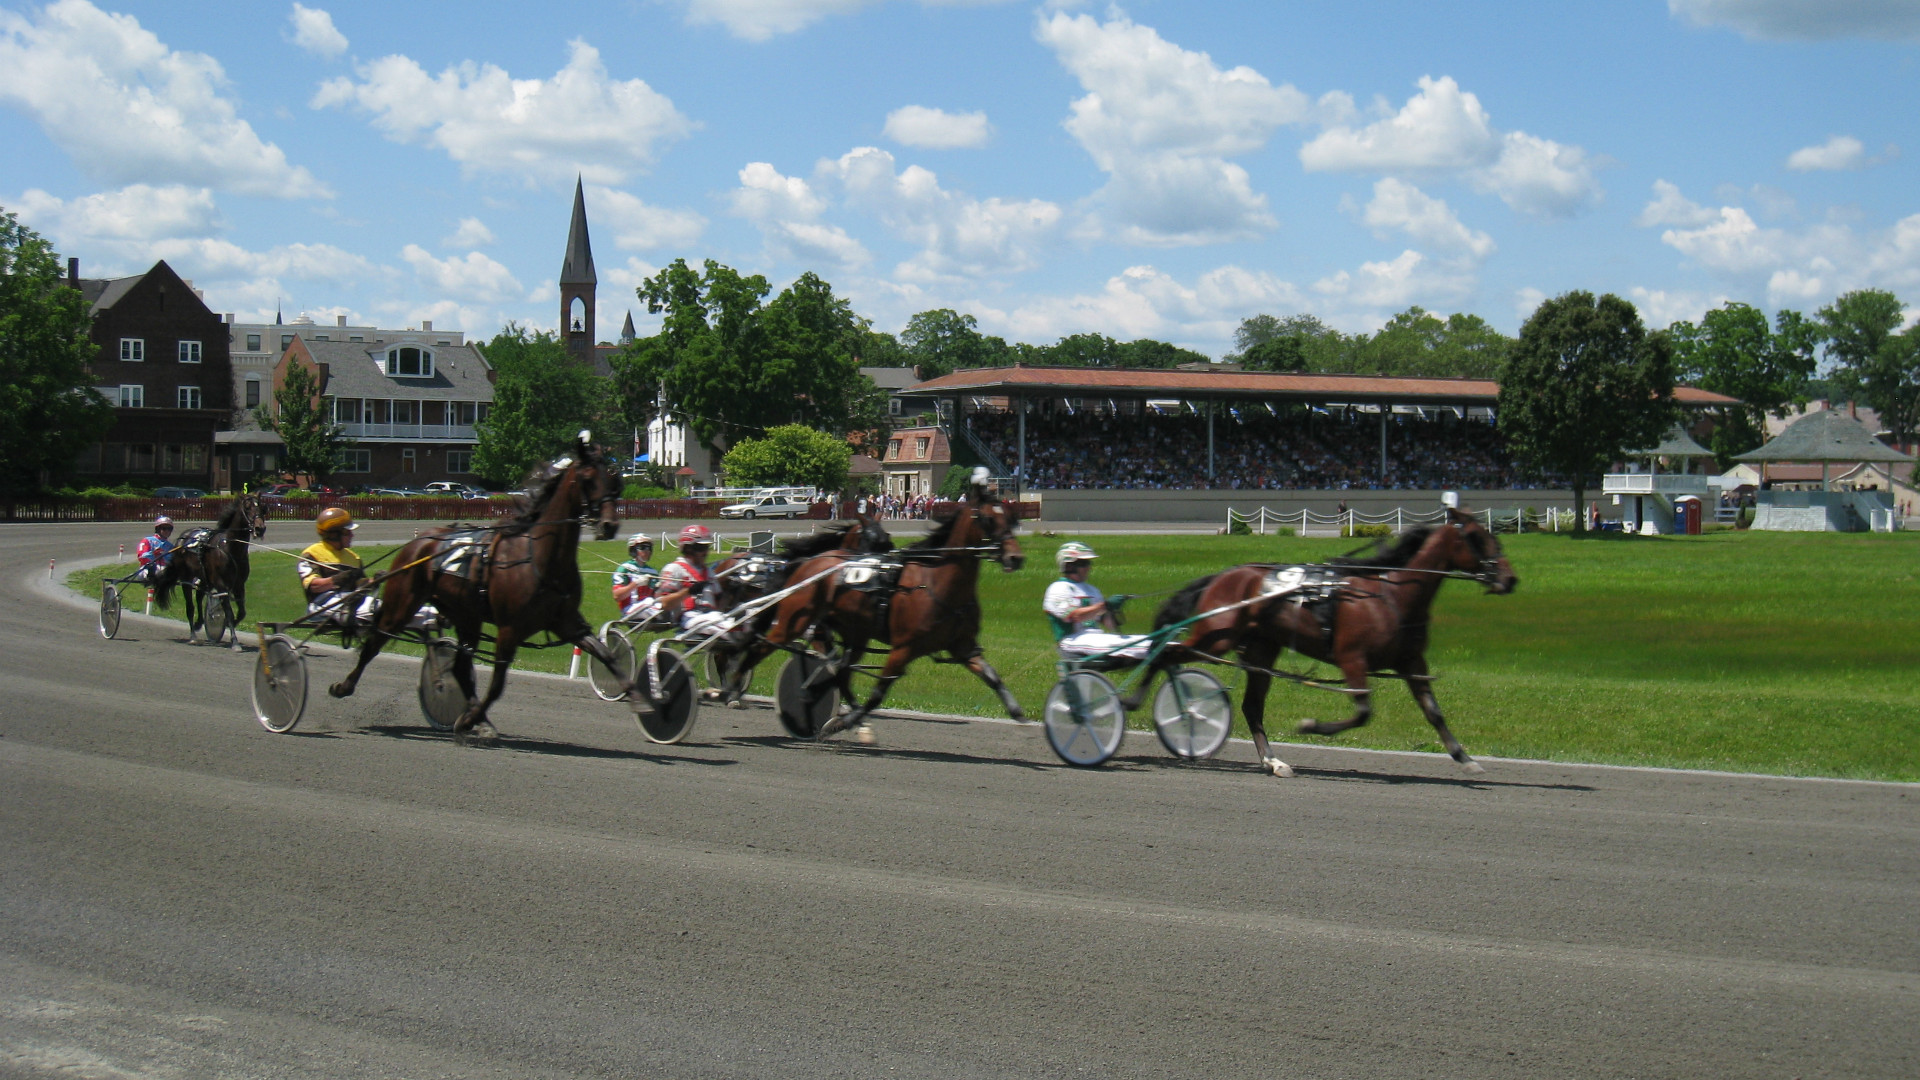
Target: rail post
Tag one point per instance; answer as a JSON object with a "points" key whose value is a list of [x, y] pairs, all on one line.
{"points": [[573, 666]]}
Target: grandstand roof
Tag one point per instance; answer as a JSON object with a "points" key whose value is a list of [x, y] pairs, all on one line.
{"points": [[1023, 381]]}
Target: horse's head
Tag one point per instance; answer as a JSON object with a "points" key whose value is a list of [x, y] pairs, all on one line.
{"points": [[1476, 551], [597, 484], [997, 522], [867, 534], [254, 513]]}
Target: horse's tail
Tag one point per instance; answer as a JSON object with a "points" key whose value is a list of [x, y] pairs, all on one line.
{"points": [[1180, 605], [164, 582]]}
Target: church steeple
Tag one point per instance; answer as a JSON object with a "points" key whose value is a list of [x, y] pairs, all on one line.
{"points": [[577, 283], [626, 330]]}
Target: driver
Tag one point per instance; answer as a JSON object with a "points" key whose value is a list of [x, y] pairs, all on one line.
{"points": [[1083, 620], [330, 568], [687, 587], [155, 551], [634, 581]]}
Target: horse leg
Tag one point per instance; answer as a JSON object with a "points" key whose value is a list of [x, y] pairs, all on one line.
{"points": [[1253, 703], [1430, 705], [977, 663], [505, 644], [896, 665], [583, 638], [388, 624], [1354, 667]]}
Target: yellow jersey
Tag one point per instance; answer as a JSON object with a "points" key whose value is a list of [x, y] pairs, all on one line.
{"points": [[321, 559]]}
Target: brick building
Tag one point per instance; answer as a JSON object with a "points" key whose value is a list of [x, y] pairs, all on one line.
{"points": [[407, 409]]}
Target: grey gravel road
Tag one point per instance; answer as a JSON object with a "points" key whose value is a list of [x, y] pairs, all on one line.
{"points": [[183, 894]]}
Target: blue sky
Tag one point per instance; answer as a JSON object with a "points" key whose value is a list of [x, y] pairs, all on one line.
{"points": [[1149, 170]]}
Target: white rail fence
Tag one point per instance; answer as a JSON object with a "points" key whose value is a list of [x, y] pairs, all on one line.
{"points": [[1305, 522]]}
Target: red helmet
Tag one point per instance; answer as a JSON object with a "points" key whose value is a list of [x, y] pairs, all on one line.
{"points": [[696, 534]]}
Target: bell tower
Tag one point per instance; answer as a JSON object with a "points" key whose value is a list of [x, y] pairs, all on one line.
{"points": [[577, 284]]}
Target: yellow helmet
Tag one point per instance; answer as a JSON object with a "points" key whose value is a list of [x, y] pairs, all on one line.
{"points": [[331, 519]]}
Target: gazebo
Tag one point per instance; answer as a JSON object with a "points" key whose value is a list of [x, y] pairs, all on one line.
{"points": [[1826, 438], [1654, 495]]}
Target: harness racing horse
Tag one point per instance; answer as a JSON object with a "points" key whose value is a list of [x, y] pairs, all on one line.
{"points": [[1380, 611], [218, 563], [933, 608], [523, 577], [737, 585]]}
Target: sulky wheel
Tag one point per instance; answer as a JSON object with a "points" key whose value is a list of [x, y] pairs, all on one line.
{"points": [[1192, 714], [610, 683], [216, 615], [1083, 718], [441, 698], [109, 610], [808, 694], [671, 692], [279, 684]]}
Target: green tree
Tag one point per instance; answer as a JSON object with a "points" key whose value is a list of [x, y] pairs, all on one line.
{"points": [[1585, 383], [790, 455], [1873, 361], [1148, 353], [1733, 351], [1321, 346], [1276, 354], [304, 421], [880, 349], [541, 399], [49, 411], [943, 340]]}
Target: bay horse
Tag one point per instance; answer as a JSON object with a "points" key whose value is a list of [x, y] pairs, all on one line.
{"points": [[1380, 614], [522, 576], [933, 608], [220, 563]]}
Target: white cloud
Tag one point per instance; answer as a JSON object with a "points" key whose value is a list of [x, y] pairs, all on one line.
{"points": [[1143, 301], [1669, 207], [471, 233], [1806, 20], [1392, 285], [137, 213], [1838, 153], [471, 277], [758, 20], [787, 210], [936, 129], [1162, 122], [313, 30], [129, 110], [1660, 309], [1398, 205], [1444, 130], [637, 225], [578, 121], [958, 236], [1526, 301]]}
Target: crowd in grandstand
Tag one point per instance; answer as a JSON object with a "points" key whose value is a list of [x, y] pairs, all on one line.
{"points": [[1299, 449]]}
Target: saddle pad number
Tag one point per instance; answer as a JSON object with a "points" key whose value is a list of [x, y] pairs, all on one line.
{"points": [[857, 574], [1286, 580]]}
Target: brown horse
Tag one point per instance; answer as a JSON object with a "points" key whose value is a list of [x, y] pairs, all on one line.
{"points": [[933, 608], [220, 562], [1378, 619], [523, 577]]}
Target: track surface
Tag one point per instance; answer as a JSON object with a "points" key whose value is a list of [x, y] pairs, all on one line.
{"points": [[184, 894]]}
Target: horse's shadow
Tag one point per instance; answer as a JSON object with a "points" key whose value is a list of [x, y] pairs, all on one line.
{"points": [[528, 744], [1475, 783], [897, 753]]}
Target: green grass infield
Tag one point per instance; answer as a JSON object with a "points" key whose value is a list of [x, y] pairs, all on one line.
{"points": [[1752, 652]]}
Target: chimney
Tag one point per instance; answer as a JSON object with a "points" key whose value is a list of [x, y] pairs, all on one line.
{"points": [[426, 326], [229, 318], [73, 271], [339, 320]]}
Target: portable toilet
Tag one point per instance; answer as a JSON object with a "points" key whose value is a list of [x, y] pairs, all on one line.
{"points": [[1686, 515]]}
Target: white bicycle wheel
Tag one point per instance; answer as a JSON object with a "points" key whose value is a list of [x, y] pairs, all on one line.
{"points": [[279, 684], [1084, 720], [610, 683], [109, 610], [442, 702], [216, 617], [1192, 714]]}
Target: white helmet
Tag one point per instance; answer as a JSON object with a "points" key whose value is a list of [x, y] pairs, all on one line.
{"points": [[1073, 551], [637, 539], [163, 522]]}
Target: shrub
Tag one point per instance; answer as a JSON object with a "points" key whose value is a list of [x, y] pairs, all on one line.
{"points": [[1364, 531], [640, 489]]}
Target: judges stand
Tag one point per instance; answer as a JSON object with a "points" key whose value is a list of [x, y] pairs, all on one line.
{"points": [[1647, 499]]}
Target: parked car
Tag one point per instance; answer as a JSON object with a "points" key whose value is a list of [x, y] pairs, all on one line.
{"points": [[786, 506], [450, 487], [402, 491], [178, 493]]}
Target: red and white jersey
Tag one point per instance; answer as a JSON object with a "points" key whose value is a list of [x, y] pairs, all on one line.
{"points": [[681, 574]]}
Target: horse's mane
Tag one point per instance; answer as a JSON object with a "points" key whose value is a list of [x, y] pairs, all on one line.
{"points": [[538, 492], [232, 517], [941, 532], [1403, 551], [814, 543], [1180, 605]]}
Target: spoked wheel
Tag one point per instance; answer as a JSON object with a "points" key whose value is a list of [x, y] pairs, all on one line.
{"points": [[216, 615], [808, 695], [279, 684], [1192, 714], [669, 687], [610, 683], [441, 699], [1084, 720], [109, 609]]}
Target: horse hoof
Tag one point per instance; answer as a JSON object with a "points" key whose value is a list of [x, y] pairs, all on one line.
{"points": [[1472, 767], [484, 731], [340, 689], [1278, 768], [736, 703], [864, 735]]}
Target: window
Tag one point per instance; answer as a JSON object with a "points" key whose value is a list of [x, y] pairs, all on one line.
{"points": [[481, 410], [253, 391], [189, 352], [356, 337], [463, 413], [893, 406], [253, 342], [183, 458], [133, 349], [285, 340], [410, 361], [920, 448], [321, 337], [346, 410], [187, 397], [140, 457], [351, 460], [459, 461], [379, 412], [406, 459], [893, 449], [133, 396], [406, 412]]}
